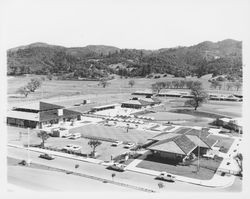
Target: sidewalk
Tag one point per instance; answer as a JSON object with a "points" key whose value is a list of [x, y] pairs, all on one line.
{"points": [[60, 154]]}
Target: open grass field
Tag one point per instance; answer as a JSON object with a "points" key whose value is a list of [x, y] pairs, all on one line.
{"points": [[65, 88]]}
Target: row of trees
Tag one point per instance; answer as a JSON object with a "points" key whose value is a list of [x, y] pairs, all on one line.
{"points": [[31, 87], [177, 84], [228, 86]]}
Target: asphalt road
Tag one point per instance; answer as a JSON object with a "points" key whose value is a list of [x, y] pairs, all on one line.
{"points": [[136, 179]]}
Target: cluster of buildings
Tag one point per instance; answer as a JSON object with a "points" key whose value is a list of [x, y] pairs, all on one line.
{"points": [[186, 94]]}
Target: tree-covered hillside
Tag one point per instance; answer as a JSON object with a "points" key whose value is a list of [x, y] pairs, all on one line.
{"points": [[96, 61]]}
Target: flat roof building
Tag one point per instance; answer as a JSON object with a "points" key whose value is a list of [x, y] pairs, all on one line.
{"points": [[38, 114]]}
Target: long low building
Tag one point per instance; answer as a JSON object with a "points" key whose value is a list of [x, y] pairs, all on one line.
{"points": [[138, 103], [38, 114]]}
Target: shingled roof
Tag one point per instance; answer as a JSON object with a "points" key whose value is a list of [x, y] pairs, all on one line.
{"points": [[174, 145], [187, 142]]}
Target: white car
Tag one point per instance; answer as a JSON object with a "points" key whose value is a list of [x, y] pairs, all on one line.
{"points": [[166, 176], [71, 147], [75, 136], [117, 143], [129, 145], [117, 167], [67, 135]]}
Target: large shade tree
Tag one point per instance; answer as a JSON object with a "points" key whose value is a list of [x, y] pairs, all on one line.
{"points": [[199, 96], [158, 86]]}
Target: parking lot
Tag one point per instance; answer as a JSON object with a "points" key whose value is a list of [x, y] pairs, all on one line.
{"points": [[115, 133], [104, 151]]}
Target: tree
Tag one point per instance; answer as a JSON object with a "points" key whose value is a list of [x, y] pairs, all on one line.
{"points": [[34, 84], [238, 85], [168, 84], [113, 175], [229, 86], [23, 91], [214, 84], [93, 144], [199, 96], [44, 136], [131, 83], [239, 159], [49, 76], [104, 83], [189, 84], [158, 86], [175, 83], [182, 83], [196, 84]]}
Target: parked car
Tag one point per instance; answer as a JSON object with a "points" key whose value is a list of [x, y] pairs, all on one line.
{"points": [[75, 136], [166, 176], [67, 135], [71, 147], [129, 145], [46, 156], [117, 167], [107, 163], [116, 143]]}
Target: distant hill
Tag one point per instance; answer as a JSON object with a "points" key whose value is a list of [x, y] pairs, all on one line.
{"points": [[223, 57]]}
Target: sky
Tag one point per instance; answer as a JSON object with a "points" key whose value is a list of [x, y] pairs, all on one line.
{"points": [[140, 24]]}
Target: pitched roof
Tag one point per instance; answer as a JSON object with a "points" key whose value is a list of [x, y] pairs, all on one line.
{"points": [[182, 142], [199, 133], [164, 136], [209, 141], [197, 141], [171, 147], [46, 106], [183, 130], [133, 102]]}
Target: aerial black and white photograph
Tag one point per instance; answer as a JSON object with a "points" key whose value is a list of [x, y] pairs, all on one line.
{"points": [[124, 96]]}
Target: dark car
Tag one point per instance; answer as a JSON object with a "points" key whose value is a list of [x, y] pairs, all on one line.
{"points": [[46, 156]]}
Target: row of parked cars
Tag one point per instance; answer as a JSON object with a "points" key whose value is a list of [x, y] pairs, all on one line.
{"points": [[127, 146]]}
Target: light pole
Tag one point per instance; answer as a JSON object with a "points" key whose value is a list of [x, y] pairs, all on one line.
{"points": [[198, 163], [28, 160]]}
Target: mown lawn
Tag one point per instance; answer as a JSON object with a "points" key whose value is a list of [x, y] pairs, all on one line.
{"points": [[206, 170], [223, 142]]}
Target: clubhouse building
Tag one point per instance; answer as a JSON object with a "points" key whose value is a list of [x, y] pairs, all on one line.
{"points": [[180, 146]]}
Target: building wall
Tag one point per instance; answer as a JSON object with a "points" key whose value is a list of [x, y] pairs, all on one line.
{"points": [[168, 155], [21, 123], [136, 106]]}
